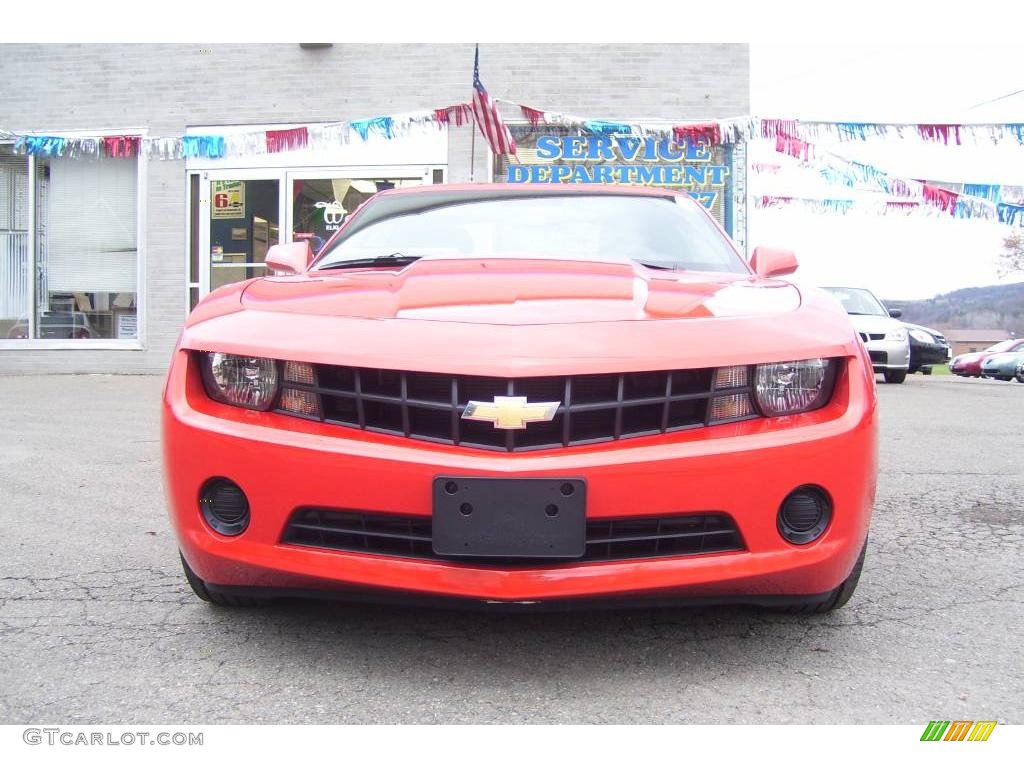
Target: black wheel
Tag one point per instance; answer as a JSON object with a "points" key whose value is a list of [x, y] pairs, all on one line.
{"points": [[1020, 378], [212, 596], [839, 596], [895, 377], [927, 370]]}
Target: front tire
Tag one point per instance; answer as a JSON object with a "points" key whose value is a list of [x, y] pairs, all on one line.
{"points": [[839, 596], [204, 593], [895, 377]]}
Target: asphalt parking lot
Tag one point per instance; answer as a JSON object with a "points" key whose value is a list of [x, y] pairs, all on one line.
{"points": [[97, 624]]}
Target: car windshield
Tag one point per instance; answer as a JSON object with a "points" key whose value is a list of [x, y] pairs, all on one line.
{"points": [[1003, 346], [656, 231], [857, 301]]}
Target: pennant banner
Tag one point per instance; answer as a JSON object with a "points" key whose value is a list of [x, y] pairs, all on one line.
{"points": [[1010, 214], [287, 140], [978, 201], [121, 146], [792, 137], [944, 133], [702, 133], [844, 206], [960, 207], [203, 146], [461, 114], [533, 116], [381, 126], [47, 146]]}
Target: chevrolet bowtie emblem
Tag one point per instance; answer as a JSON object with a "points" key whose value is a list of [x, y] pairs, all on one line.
{"points": [[510, 412]]}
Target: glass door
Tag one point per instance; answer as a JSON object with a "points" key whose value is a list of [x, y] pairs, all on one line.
{"points": [[242, 213], [237, 214], [322, 198]]}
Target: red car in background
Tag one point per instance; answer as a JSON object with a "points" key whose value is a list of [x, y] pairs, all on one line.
{"points": [[969, 364]]}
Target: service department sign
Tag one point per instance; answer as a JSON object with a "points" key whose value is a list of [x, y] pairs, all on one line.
{"points": [[697, 168]]}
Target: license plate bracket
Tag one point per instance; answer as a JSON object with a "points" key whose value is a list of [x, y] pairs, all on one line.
{"points": [[487, 517]]}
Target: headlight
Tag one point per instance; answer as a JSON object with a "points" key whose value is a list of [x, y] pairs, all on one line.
{"points": [[249, 382], [896, 334], [924, 338], [795, 386]]}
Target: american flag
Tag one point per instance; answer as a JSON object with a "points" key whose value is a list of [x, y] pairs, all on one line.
{"points": [[485, 112]]}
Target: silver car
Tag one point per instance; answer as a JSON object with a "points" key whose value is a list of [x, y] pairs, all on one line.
{"points": [[883, 335]]}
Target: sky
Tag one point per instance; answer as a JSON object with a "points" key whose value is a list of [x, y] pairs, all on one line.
{"points": [[902, 257]]}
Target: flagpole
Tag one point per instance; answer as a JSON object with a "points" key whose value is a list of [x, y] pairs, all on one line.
{"points": [[472, 141]]}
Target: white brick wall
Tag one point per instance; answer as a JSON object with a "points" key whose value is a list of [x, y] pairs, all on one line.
{"points": [[166, 88]]}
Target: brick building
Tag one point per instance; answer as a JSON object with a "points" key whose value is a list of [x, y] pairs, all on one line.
{"points": [[120, 248], [974, 339]]}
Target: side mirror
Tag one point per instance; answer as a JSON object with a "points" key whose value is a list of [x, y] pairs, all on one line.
{"points": [[771, 262], [289, 258], [895, 313]]}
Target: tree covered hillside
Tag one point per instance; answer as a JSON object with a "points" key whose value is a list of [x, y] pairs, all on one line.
{"points": [[992, 306]]}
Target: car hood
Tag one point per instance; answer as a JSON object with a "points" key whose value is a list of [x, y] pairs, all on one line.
{"points": [[520, 318], [521, 292], [973, 357], [875, 323], [1002, 358], [926, 329]]}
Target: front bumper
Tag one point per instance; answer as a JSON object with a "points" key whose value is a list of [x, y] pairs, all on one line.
{"points": [[889, 355], [965, 368], [1006, 371], [743, 469], [928, 354]]}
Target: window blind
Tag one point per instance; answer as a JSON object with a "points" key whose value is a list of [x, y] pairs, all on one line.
{"points": [[13, 234], [92, 242], [13, 190]]}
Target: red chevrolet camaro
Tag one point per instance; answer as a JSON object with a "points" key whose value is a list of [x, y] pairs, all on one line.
{"points": [[511, 395]]}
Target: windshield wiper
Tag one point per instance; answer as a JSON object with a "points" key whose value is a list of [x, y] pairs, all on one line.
{"points": [[666, 265], [388, 260]]}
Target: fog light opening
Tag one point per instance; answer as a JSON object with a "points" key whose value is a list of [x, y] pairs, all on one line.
{"points": [[804, 514], [224, 506]]}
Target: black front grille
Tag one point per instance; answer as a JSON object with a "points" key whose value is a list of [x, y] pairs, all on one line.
{"points": [[881, 358], [626, 538], [592, 408]]}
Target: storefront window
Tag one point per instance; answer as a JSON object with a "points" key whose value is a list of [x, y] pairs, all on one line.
{"points": [[320, 206], [86, 248], [13, 244], [243, 226]]}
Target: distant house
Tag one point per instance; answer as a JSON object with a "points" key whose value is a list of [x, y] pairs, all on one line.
{"points": [[974, 339]]}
